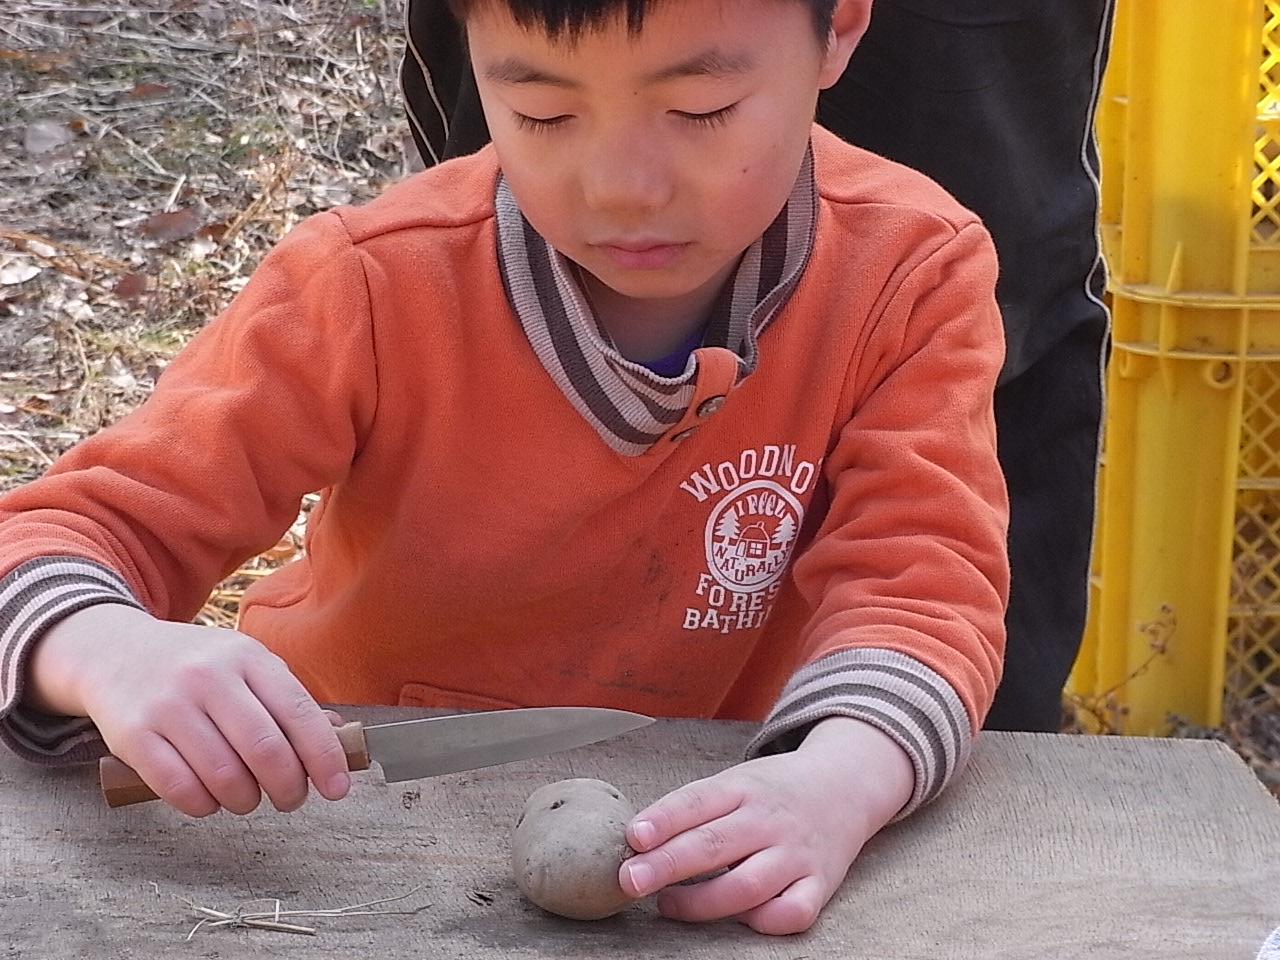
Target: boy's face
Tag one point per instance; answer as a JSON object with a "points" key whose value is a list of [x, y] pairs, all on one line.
{"points": [[654, 160]]}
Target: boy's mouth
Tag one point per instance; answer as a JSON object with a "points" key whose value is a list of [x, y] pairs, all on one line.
{"points": [[640, 254]]}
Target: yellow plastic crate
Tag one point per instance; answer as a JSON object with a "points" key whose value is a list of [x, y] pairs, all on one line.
{"points": [[1185, 589]]}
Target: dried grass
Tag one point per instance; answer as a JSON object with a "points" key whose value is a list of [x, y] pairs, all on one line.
{"points": [[279, 920], [150, 154]]}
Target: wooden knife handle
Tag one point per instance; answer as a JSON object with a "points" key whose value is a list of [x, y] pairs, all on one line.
{"points": [[122, 786], [351, 736]]}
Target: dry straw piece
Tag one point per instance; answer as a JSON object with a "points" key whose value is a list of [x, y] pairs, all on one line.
{"points": [[278, 920]]}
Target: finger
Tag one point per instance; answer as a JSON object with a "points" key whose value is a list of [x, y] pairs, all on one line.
{"points": [[216, 762], [170, 777], [748, 885], [683, 809], [794, 910], [308, 729], [704, 848], [264, 749]]}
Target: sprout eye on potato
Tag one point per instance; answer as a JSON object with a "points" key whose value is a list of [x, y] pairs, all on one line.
{"points": [[568, 845]]}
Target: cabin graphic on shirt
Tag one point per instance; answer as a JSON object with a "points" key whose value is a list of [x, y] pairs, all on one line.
{"points": [[750, 534], [753, 542]]}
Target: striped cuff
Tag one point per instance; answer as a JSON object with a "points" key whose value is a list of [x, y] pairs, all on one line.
{"points": [[33, 597], [891, 691]]}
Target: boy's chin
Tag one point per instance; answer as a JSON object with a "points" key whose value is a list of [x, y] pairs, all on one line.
{"points": [[653, 285]]}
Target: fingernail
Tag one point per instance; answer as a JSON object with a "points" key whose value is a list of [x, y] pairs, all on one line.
{"points": [[644, 832], [641, 875], [338, 785]]}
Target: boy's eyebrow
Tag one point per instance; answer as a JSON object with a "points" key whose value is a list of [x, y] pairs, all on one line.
{"points": [[708, 63]]}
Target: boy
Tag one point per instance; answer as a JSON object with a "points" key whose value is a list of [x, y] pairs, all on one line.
{"points": [[668, 401], [973, 78]]}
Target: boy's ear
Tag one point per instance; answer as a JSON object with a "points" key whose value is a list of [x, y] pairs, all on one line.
{"points": [[848, 24]]}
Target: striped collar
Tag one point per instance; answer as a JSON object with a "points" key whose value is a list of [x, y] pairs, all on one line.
{"points": [[630, 406]]}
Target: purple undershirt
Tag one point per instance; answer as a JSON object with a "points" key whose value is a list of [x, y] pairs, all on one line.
{"points": [[672, 365]]}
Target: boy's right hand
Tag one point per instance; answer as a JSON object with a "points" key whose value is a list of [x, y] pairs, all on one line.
{"points": [[208, 717]]}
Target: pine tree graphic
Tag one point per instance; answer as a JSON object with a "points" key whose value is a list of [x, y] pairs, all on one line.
{"points": [[727, 526]]}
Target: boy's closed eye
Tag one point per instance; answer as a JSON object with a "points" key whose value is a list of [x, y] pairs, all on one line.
{"points": [[526, 122], [710, 118]]}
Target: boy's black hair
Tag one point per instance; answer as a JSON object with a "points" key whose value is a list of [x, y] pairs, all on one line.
{"points": [[572, 17]]}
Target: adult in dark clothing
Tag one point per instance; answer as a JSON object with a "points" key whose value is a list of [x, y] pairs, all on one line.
{"points": [[995, 100]]}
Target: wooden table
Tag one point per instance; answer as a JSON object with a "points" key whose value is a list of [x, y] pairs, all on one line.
{"points": [[1047, 847]]}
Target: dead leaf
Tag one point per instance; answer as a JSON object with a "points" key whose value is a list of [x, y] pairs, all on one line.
{"points": [[78, 309], [145, 90], [214, 231], [17, 270], [45, 135], [131, 286], [385, 146], [285, 549], [203, 246], [117, 371], [173, 225], [37, 61]]}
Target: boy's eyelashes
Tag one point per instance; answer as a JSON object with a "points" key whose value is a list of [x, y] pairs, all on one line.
{"points": [[712, 118], [525, 122]]}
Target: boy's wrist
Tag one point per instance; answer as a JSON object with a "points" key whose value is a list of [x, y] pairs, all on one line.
{"points": [[38, 595], [56, 667], [881, 773]]}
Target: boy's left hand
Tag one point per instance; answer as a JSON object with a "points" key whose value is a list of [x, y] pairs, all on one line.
{"points": [[787, 827]]}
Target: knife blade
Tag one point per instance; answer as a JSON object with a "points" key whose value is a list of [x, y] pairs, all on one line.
{"points": [[413, 749]]}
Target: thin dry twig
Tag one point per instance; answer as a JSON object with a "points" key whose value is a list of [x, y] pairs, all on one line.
{"points": [[31, 243], [21, 438], [278, 920], [1103, 713], [216, 918], [271, 188]]}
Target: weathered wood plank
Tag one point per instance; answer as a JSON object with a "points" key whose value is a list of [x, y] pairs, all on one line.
{"points": [[1049, 847]]}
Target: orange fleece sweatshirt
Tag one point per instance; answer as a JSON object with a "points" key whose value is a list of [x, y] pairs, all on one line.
{"points": [[823, 536]]}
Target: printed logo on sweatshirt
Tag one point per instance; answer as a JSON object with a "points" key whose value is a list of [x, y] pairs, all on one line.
{"points": [[749, 535], [755, 517]]}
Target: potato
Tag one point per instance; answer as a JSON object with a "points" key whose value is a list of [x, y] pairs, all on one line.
{"points": [[568, 845]]}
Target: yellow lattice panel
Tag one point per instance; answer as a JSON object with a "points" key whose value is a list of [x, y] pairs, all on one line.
{"points": [[1185, 586], [1270, 68], [1253, 634]]}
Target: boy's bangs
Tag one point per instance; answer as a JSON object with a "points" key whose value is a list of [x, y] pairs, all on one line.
{"points": [[574, 17], [569, 18]]}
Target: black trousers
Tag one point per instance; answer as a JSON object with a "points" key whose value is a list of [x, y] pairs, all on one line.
{"points": [[995, 100]]}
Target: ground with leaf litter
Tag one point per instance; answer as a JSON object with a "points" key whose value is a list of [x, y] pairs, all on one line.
{"points": [[150, 154]]}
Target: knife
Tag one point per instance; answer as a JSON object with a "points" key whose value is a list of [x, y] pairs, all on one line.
{"points": [[412, 749]]}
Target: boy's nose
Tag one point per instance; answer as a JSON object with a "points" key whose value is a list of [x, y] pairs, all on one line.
{"points": [[626, 174]]}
